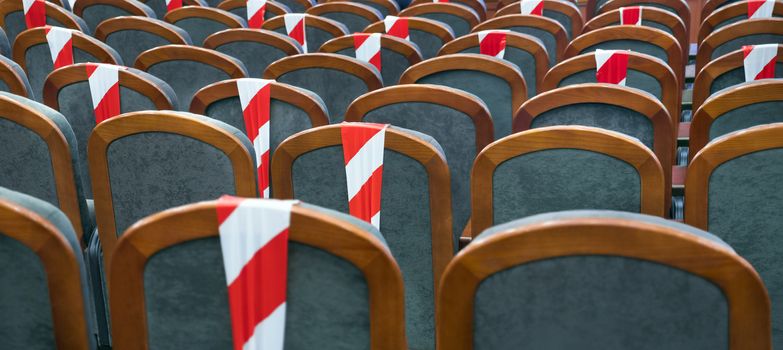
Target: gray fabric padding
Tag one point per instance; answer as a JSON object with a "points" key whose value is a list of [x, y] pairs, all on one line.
{"points": [[598, 302], [5, 45], [492, 90], [600, 115], [744, 203], [745, 117], [635, 79], [15, 24], [38, 60], [315, 37], [393, 64], [377, 7], [354, 22], [130, 43], [563, 179], [159, 6], [738, 43], [736, 77], [95, 14], [199, 28], [29, 285], [633, 45], [21, 73], [459, 25], [337, 88], [546, 38], [187, 77], [522, 59], [428, 43], [256, 56], [294, 5], [561, 18], [732, 21]]}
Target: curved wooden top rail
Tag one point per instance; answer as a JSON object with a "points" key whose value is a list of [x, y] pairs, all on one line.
{"points": [[710, 6], [361, 10], [433, 27], [213, 58], [679, 6], [14, 81], [730, 11], [37, 36], [362, 70], [149, 25], [389, 5], [389, 42], [563, 7], [221, 16], [261, 36], [474, 5], [443, 7], [733, 31], [546, 24], [131, 7]]}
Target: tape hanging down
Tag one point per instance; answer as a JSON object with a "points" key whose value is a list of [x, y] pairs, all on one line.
{"points": [[255, 98], [34, 13], [631, 16], [255, 13], [760, 61], [760, 8], [531, 7], [60, 41], [254, 243], [104, 81], [492, 42], [363, 145], [611, 66], [397, 26], [295, 28], [368, 48]]}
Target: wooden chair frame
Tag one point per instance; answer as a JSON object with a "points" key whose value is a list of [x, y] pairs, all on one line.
{"points": [[725, 101], [197, 221], [474, 5], [422, 24], [59, 152], [540, 22], [210, 13], [15, 82], [200, 3], [749, 305], [606, 142], [717, 67], [53, 11], [429, 157], [336, 29], [213, 58], [36, 36], [709, 7], [305, 3], [275, 8], [516, 40], [149, 121], [443, 7], [362, 70], [149, 25], [128, 6], [357, 9], [563, 7], [733, 31], [212, 93], [69, 321], [727, 12], [681, 8], [389, 5], [261, 36], [398, 45]]}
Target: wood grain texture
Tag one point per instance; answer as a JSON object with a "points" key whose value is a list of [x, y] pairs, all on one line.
{"points": [[471, 17], [734, 31], [149, 25], [12, 79], [548, 25], [565, 8], [392, 43], [209, 57], [436, 28], [208, 13], [728, 12], [260, 36], [474, 5], [37, 36], [131, 7], [360, 69], [357, 9]]}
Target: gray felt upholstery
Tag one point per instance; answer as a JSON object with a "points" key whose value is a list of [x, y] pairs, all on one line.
{"points": [[95, 14], [381, 9], [200, 28], [549, 40], [294, 5], [15, 24], [159, 6], [315, 37], [25, 292], [635, 79], [327, 302], [5, 45], [186, 77], [154, 171], [241, 11], [392, 64], [319, 178], [19, 72], [737, 76], [130, 43], [337, 88], [633, 45], [563, 179], [738, 43], [561, 18], [522, 59], [256, 56], [745, 117], [745, 197], [352, 21], [459, 25], [428, 43]]}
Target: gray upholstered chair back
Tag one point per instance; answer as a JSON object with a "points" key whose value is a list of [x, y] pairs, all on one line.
{"points": [[354, 21], [15, 75], [736, 77], [316, 36], [129, 43], [206, 22], [739, 42], [458, 24], [633, 45], [160, 8], [428, 43], [549, 39], [241, 11], [15, 23], [297, 6], [745, 116], [99, 12], [635, 79], [393, 64], [380, 8], [261, 48]]}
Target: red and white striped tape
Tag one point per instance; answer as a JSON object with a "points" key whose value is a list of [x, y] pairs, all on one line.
{"points": [[255, 13], [255, 96], [34, 13], [363, 145], [368, 48], [254, 243], [631, 16], [60, 41], [104, 81], [397, 26], [492, 42], [295, 27], [173, 5], [611, 66], [760, 61], [760, 8], [531, 7]]}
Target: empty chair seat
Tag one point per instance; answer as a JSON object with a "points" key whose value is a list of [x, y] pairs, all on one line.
{"points": [[429, 35], [333, 293], [256, 48], [737, 35], [497, 82], [201, 22], [317, 30], [337, 79], [732, 190], [13, 78], [12, 18], [33, 54], [460, 18], [96, 11], [396, 54], [414, 205], [733, 13], [564, 12], [187, 68], [131, 36], [239, 8], [478, 6], [353, 15], [550, 32], [44, 281], [385, 7], [564, 168], [525, 51], [601, 280], [161, 7]]}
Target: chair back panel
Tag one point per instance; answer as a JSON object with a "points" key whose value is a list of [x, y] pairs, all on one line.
{"points": [[130, 43], [38, 62], [392, 64], [525, 61], [27, 166], [428, 43], [95, 14], [187, 77], [746, 117], [633, 45], [256, 56], [458, 24], [738, 43], [737, 76], [337, 88], [315, 36], [635, 79], [549, 40]]}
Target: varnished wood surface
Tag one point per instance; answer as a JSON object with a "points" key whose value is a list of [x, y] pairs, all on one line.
{"points": [[330, 26], [213, 58], [143, 24], [680, 7], [734, 31], [360, 69], [471, 17], [474, 5], [728, 12], [37, 36], [563, 7], [207, 13], [400, 46], [548, 25], [130, 7], [272, 7], [357, 9], [436, 28], [260, 36]]}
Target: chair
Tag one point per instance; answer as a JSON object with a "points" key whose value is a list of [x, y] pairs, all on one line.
{"points": [[5, 45], [44, 280], [187, 68], [679, 7], [415, 210], [743, 106], [337, 79], [550, 32], [740, 206], [96, 11], [239, 8], [256, 48], [161, 8], [564, 168], [385, 7], [429, 35], [396, 54], [353, 15], [564, 12], [298, 6], [344, 288], [460, 18], [497, 82], [43, 161], [31, 51], [724, 72], [318, 30], [201, 22], [13, 78], [185, 159], [68, 91], [12, 18], [478, 6], [734, 36], [710, 6], [730, 14], [525, 51], [131, 36], [601, 279], [458, 121]]}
